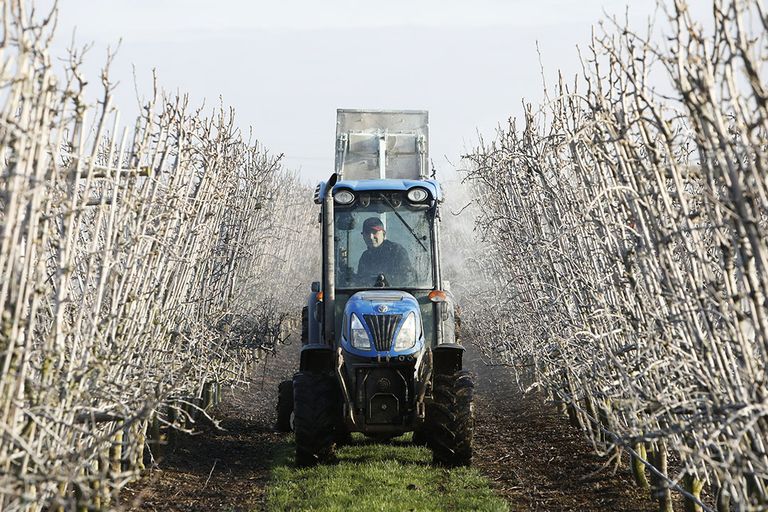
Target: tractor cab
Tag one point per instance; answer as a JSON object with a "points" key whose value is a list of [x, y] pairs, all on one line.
{"points": [[379, 352], [372, 222], [385, 238]]}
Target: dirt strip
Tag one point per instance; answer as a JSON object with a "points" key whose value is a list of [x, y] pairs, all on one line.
{"points": [[537, 460], [221, 469]]}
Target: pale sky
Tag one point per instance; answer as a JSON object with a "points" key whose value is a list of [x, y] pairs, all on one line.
{"points": [[286, 66]]}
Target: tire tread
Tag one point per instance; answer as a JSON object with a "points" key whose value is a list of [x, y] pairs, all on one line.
{"points": [[449, 424]]}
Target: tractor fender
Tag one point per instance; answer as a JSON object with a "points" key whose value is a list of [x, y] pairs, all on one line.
{"points": [[447, 311], [316, 358], [447, 358]]}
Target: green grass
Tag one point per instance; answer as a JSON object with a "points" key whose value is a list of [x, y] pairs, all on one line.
{"points": [[377, 477]]}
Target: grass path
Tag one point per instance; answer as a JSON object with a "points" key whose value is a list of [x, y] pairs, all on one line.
{"points": [[396, 476]]}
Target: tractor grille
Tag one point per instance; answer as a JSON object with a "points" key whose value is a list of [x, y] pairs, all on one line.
{"points": [[383, 329]]}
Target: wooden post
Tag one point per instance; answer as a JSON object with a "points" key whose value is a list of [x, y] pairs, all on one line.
{"points": [[659, 489], [154, 442], [638, 468], [175, 417], [96, 491], [589, 405], [723, 499], [557, 400], [755, 490], [603, 414], [116, 454], [573, 415], [81, 502], [140, 431], [694, 486], [208, 395], [61, 497]]}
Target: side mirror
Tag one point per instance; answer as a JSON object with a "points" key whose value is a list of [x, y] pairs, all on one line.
{"points": [[345, 222], [315, 286]]}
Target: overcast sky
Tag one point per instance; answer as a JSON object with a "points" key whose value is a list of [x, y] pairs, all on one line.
{"points": [[286, 66]]}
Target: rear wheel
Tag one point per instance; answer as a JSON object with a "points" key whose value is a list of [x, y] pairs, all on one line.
{"points": [[317, 406], [284, 406], [449, 423]]}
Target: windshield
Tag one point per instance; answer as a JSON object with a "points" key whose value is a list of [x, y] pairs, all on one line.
{"points": [[383, 241]]}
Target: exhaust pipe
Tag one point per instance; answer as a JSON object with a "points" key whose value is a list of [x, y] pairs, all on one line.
{"points": [[329, 291], [329, 286]]}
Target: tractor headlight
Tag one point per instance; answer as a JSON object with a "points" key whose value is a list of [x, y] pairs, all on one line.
{"points": [[406, 338], [357, 335], [344, 197], [417, 195]]}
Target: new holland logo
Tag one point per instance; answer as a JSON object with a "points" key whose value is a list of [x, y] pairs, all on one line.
{"points": [[382, 308]]}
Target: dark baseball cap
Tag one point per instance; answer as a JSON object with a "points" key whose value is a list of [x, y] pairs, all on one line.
{"points": [[372, 224]]}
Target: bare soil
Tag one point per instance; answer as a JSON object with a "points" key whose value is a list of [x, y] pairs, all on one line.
{"points": [[528, 451], [226, 468], [536, 459]]}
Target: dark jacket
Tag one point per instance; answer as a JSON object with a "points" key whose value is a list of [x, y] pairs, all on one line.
{"points": [[389, 259]]}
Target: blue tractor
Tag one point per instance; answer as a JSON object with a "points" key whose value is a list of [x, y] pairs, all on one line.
{"points": [[379, 350]]}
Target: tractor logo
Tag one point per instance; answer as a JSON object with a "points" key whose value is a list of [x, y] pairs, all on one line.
{"points": [[382, 308]]}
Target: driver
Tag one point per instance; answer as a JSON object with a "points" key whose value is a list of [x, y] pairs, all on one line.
{"points": [[382, 256]]}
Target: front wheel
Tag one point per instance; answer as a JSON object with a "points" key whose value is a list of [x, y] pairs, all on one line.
{"points": [[449, 423], [317, 407]]}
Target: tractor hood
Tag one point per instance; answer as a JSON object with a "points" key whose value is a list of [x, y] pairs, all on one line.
{"points": [[382, 323]]}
